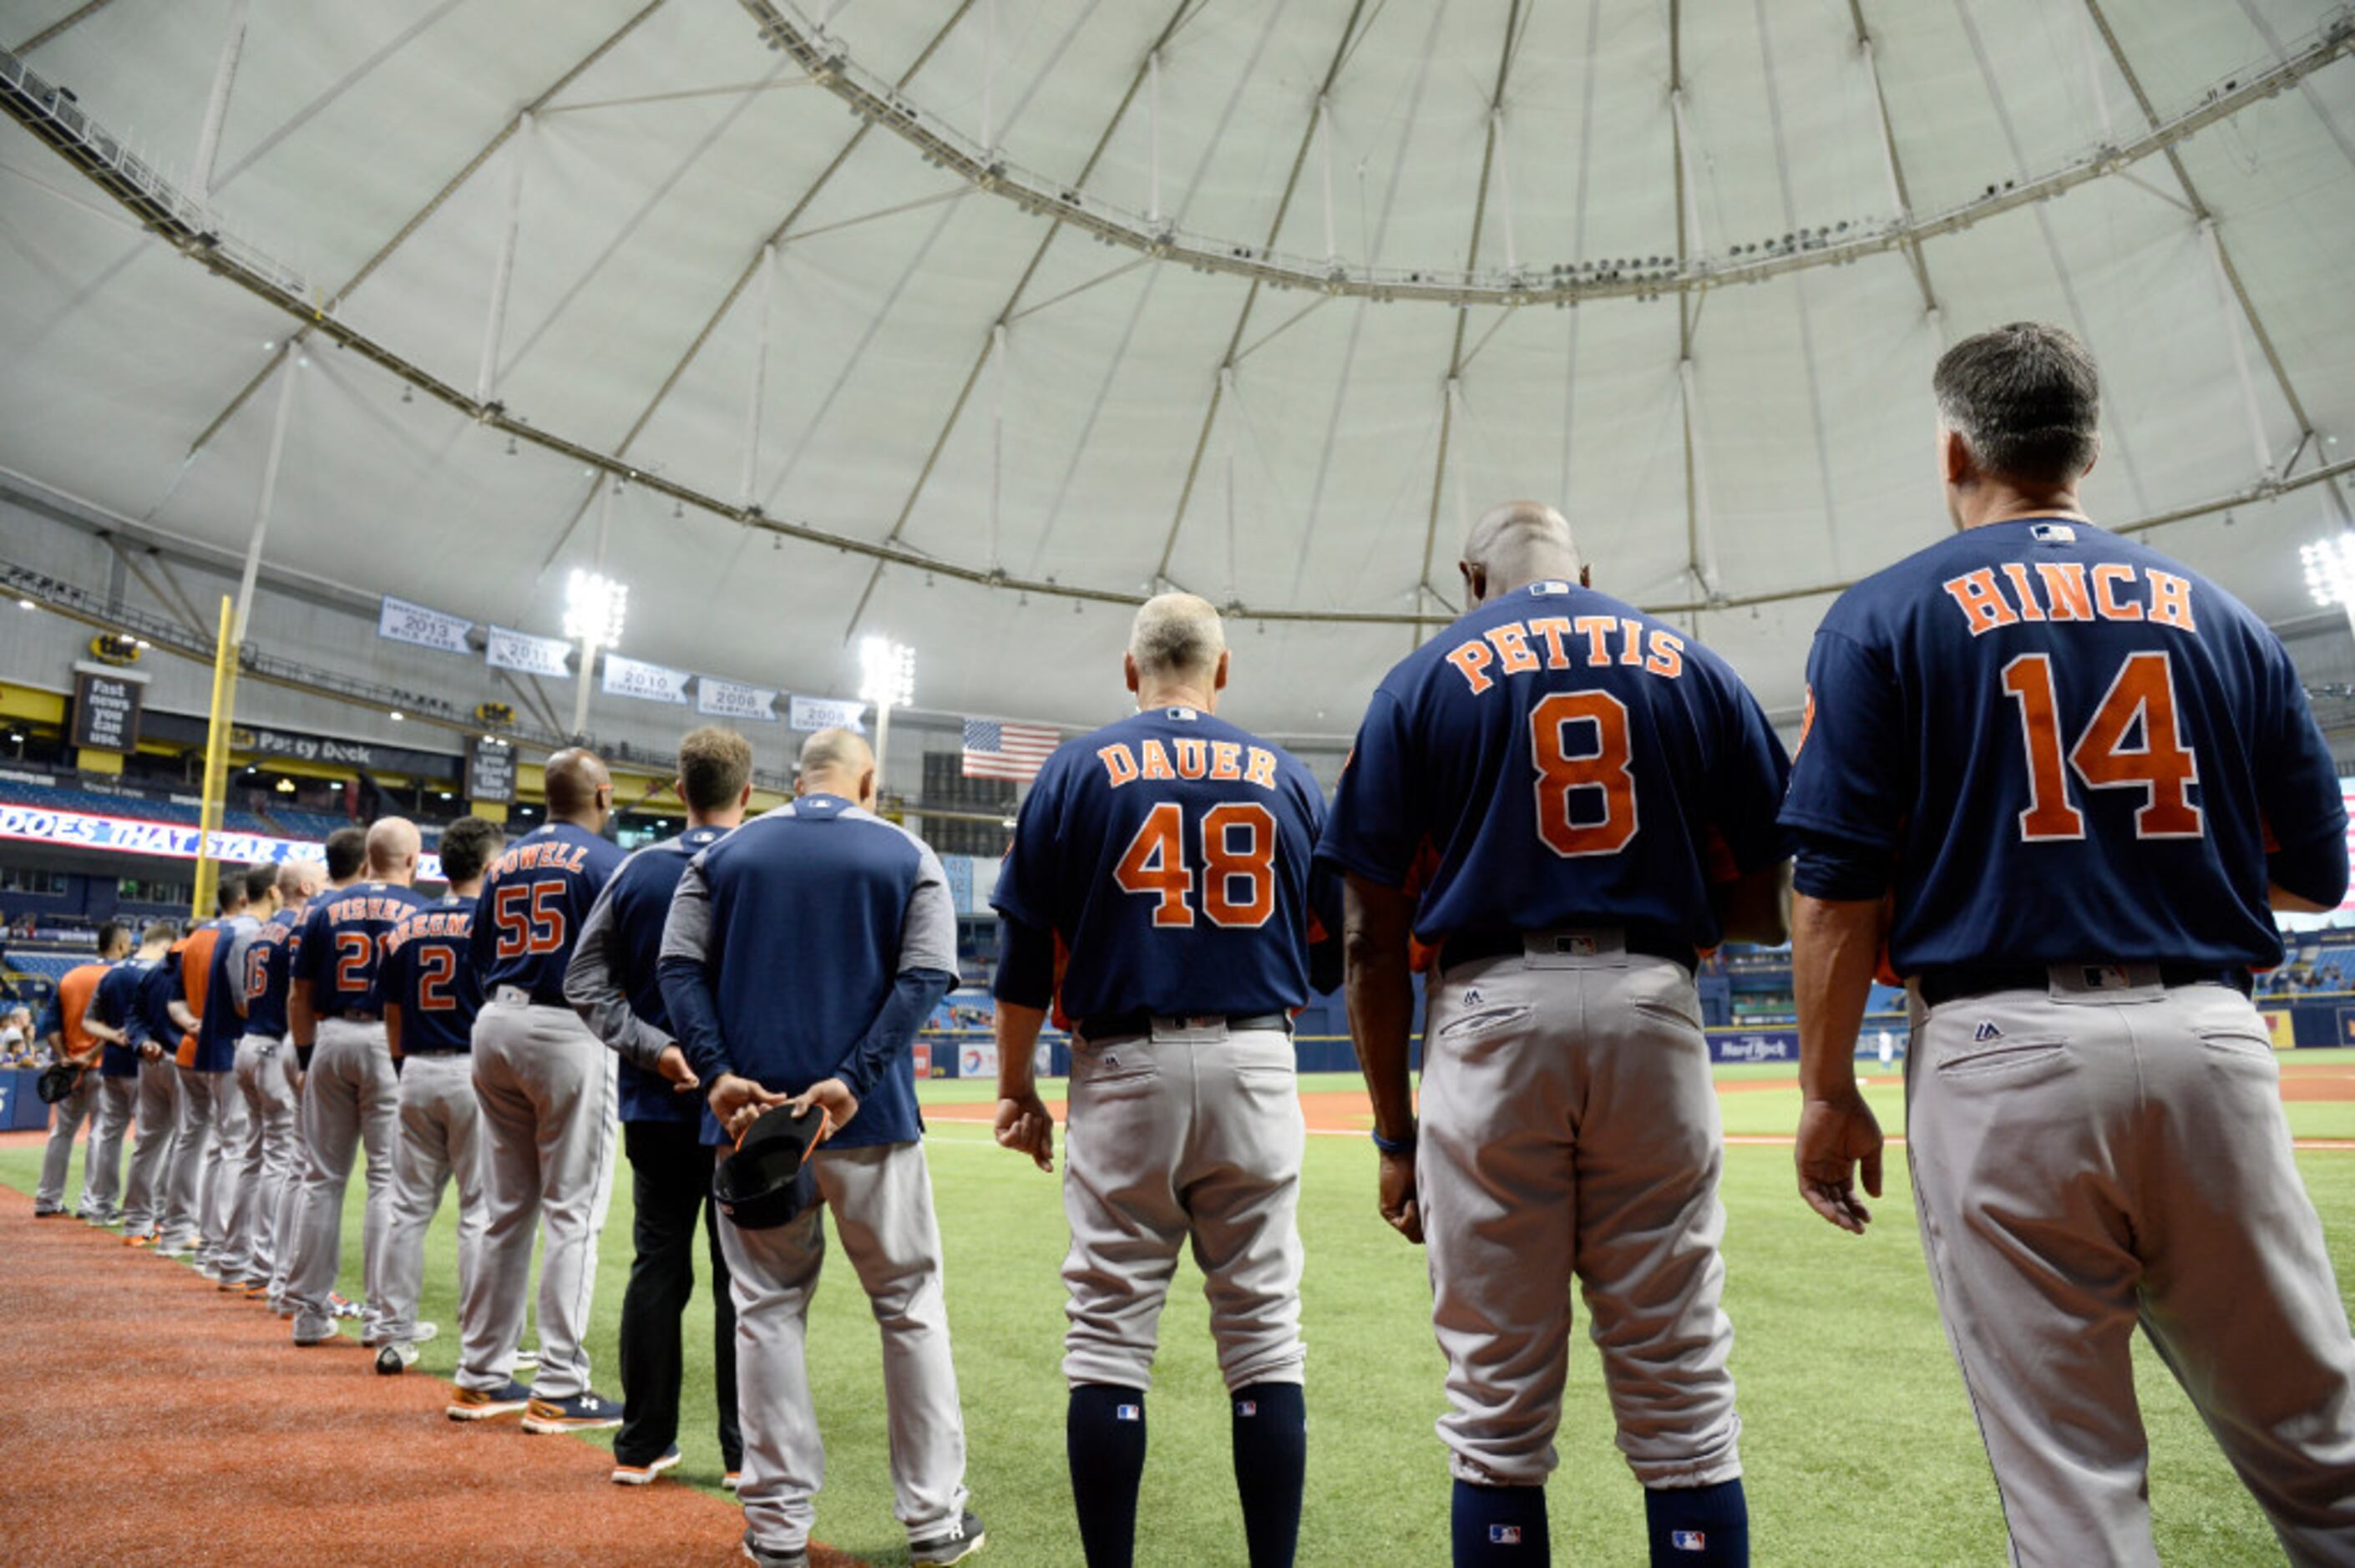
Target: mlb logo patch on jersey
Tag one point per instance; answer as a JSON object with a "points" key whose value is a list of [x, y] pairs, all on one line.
{"points": [[1181, 715], [1128, 1413], [1549, 588], [1504, 1535], [1246, 1407], [2053, 534], [1689, 1540], [1986, 1031]]}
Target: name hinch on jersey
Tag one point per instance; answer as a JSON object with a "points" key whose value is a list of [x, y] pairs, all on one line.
{"points": [[2070, 590]]}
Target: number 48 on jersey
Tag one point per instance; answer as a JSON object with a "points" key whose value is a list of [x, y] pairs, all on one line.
{"points": [[1232, 844]]}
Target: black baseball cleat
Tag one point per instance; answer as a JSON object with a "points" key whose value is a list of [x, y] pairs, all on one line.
{"points": [[956, 1543], [767, 1557]]}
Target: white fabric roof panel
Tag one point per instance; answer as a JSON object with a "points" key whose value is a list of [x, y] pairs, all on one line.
{"points": [[652, 178]]}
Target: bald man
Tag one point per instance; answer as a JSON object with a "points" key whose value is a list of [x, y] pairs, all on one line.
{"points": [[1568, 800], [548, 1098], [802, 953], [271, 1156], [350, 1094], [1167, 860]]}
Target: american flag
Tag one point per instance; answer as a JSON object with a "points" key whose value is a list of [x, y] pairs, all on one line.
{"points": [[994, 750]]}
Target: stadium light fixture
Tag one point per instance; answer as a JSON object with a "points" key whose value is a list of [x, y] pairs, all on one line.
{"points": [[886, 677], [595, 607], [2330, 572]]}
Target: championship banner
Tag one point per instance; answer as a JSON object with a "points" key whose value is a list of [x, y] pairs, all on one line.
{"points": [[522, 650], [653, 682], [814, 714], [398, 621], [730, 699], [172, 841]]}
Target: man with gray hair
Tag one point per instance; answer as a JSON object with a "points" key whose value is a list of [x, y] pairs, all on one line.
{"points": [[2063, 782], [1169, 856], [270, 1155]]}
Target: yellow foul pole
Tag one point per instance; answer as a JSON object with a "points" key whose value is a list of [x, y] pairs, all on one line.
{"points": [[217, 762]]}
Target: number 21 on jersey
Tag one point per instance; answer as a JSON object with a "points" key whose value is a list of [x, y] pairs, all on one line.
{"points": [[1238, 864]]}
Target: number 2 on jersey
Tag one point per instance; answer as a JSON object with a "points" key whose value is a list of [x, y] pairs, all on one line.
{"points": [[436, 967], [2162, 767], [1155, 864]]}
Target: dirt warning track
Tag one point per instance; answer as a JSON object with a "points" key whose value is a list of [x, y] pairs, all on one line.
{"points": [[150, 1419]]}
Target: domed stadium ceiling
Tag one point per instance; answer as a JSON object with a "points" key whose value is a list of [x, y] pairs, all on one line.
{"points": [[971, 322]]}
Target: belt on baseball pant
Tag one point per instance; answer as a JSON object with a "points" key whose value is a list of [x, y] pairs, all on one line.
{"points": [[1137, 1020], [440, 1051], [517, 996], [1939, 986], [354, 1017], [1469, 947]]}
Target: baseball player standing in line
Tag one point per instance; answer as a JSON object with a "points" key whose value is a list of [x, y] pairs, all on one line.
{"points": [[431, 995], [1170, 856], [189, 966], [1566, 797], [269, 1159], [112, 1018], [848, 919], [337, 1017], [547, 1090], [613, 982], [61, 1026], [2065, 777], [212, 1111], [347, 859], [156, 1020]]}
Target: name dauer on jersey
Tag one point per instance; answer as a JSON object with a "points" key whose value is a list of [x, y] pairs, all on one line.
{"points": [[1158, 850]]}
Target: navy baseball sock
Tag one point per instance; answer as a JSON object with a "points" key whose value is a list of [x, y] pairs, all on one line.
{"points": [[1500, 1525], [1698, 1527], [1105, 1436], [1271, 1463]]}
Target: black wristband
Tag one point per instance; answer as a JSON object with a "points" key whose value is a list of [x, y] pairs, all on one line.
{"points": [[302, 1058], [1397, 1146]]}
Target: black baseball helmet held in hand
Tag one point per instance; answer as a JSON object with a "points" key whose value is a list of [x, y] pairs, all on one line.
{"points": [[56, 1082], [767, 1180]]}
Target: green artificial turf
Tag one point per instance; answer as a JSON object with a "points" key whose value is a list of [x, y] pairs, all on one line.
{"points": [[1858, 1445]]}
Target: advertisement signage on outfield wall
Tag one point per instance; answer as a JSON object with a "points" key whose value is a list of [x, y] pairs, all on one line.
{"points": [[171, 841], [490, 771], [106, 709]]}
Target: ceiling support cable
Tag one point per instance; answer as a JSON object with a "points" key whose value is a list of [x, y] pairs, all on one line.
{"points": [[1451, 387], [1004, 316], [200, 164], [487, 367], [755, 394], [82, 14], [1251, 296], [1901, 199], [418, 218]]}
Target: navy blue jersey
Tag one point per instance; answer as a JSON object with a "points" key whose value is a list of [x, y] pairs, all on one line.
{"points": [[342, 945], [219, 1024], [641, 894], [537, 897], [802, 922], [1557, 757], [2062, 746], [268, 963], [116, 1003], [151, 1005], [429, 974], [1173, 857]]}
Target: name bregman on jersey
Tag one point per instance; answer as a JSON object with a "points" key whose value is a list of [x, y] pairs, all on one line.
{"points": [[2070, 590]]}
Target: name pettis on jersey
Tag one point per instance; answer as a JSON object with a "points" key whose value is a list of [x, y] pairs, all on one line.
{"points": [[551, 856], [2070, 590], [368, 907], [1126, 761], [1594, 641]]}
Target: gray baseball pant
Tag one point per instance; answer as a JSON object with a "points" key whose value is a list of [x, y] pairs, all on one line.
{"points": [[548, 1109], [66, 1119], [287, 1224], [201, 1139], [881, 1195], [102, 1162], [2095, 1157], [143, 1196], [347, 1101], [440, 1139], [265, 1158], [1570, 1129], [1186, 1133], [217, 1198]]}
